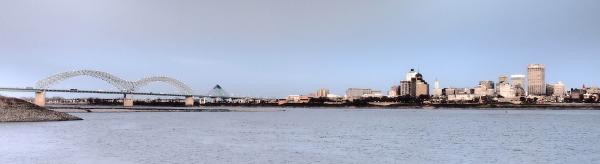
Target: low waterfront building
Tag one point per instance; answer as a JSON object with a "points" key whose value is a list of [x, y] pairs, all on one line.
{"points": [[459, 94], [556, 89], [486, 84], [357, 93], [297, 99], [506, 91]]}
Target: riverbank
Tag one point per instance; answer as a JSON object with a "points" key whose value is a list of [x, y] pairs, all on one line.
{"points": [[119, 109], [17, 110], [550, 106]]}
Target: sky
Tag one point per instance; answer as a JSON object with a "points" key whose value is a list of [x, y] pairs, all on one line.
{"points": [[276, 48]]}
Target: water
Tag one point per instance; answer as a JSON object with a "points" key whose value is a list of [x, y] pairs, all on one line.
{"points": [[310, 136]]}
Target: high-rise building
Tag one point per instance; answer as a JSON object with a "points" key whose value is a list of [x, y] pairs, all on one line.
{"points": [[404, 88], [437, 91], [414, 85], [322, 92], [518, 83], [418, 86], [394, 91], [536, 76], [502, 79]]}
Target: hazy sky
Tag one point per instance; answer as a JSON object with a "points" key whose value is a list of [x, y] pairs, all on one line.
{"points": [[281, 47]]}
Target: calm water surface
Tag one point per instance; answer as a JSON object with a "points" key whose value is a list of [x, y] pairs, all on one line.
{"points": [[310, 136]]}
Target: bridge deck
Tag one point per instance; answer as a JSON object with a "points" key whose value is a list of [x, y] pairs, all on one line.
{"points": [[116, 92]]}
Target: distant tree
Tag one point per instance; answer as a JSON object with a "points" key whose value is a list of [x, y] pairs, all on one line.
{"points": [[523, 100], [319, 100]]}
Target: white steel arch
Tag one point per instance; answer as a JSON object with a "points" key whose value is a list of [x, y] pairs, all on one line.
{"points": [[180, 86], [122, 85]]}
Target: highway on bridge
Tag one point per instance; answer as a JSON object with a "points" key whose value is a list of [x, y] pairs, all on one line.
{"points": [[115, 93]]}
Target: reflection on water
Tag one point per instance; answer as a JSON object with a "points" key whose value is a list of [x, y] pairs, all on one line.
{"points": [[310, 136]]}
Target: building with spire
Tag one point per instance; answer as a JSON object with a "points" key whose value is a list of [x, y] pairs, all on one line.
{"points": [[437, 91]]}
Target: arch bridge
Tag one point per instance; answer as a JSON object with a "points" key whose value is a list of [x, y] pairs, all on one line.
{"points": [[125, 87]]}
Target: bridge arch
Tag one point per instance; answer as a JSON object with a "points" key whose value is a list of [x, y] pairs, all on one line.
{"points": [[122, 85], [115, 81], [180, 86]]}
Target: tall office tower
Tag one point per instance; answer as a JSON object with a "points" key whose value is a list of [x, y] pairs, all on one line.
{"points": [[502, 79], [393, 91], [418, 86], [437, 91], [518, 83], [536, 76], [322, 92], [404, 88]]}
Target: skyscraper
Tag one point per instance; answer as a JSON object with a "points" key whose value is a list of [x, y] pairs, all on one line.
{"points": [[418, 86], [502, 82], [536, 76], [437, 91], [394, 90], [404, 88], [322, 92], [518, 83], [414, 85], [502, 79]]}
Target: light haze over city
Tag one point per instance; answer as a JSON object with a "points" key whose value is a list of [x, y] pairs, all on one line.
{"points": [[281, 47]]}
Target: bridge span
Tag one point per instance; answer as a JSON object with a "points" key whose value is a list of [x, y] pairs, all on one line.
{"points": [[40, 95], [125, 87]]}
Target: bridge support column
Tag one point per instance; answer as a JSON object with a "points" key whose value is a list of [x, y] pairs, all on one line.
{"points": [[40, 98], [127, 101], [189, 101]]}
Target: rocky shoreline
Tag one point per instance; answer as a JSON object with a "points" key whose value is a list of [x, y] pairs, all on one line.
{"points": [[17, 110]]}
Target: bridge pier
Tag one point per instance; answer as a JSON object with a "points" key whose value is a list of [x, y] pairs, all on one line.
{"points": [[40, 98], [127, 101], [189, 101]]}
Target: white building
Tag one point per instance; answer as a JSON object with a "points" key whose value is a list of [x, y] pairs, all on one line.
{"points": [[506, 90]]}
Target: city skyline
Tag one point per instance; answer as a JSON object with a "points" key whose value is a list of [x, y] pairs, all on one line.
{"points": [[288, 47], [535, 84]]}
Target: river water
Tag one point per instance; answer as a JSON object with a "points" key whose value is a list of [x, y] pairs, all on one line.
{"points": [[300, 136]]}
